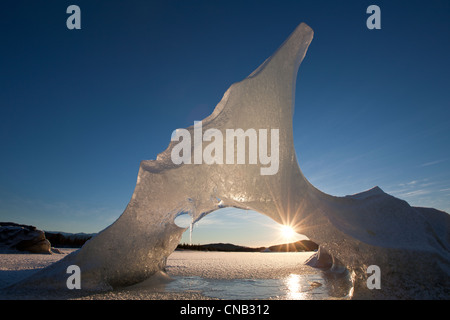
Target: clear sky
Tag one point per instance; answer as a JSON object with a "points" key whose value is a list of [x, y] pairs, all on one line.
{"points": [[81, 108]]}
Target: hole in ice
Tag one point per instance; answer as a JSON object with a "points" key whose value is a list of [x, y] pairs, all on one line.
{"points": [[183, 220], [236, 226]]}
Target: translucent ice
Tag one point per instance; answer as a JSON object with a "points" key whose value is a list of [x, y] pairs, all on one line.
{"points": [[410, 245]]}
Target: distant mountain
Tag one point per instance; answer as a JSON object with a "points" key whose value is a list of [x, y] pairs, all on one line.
{"points": [[218, 247], [68, 240], [299, 246]]}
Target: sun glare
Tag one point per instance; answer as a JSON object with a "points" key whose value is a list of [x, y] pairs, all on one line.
{"points": [[287, 232]]}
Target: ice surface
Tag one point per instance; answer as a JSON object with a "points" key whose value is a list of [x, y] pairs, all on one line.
{"points": [[198, 275], [410, 245]]}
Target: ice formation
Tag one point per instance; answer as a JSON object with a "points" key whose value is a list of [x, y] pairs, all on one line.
{"points": [[410, 245]]}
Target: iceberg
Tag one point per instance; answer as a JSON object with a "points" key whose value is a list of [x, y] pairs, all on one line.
{"points": [[410, 245]]}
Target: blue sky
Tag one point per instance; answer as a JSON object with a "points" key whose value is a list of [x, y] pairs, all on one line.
{"points": [[81, 108]]}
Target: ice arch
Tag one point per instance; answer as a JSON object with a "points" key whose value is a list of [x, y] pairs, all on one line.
{"points": [[410, 245]]}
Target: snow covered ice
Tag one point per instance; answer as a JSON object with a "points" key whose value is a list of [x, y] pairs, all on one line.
{"points": [[410, 245], [198, 275]]}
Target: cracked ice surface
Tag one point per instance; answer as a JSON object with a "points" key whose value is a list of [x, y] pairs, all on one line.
{"points": [[410, 245]]}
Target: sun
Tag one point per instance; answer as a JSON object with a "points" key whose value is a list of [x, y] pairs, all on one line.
{"points": [[287, 232]]}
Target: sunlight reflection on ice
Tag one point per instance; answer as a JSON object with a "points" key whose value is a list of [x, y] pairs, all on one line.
{"points": [[292, 287]]}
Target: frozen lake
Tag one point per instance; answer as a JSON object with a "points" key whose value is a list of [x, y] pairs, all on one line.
{"points": [[208, 275]]}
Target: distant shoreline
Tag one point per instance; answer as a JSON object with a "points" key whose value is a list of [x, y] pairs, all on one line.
{"points": [[298, 246], [77, 240], [59, 239]]}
